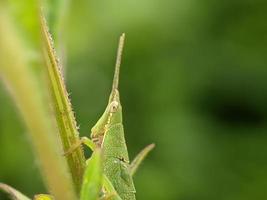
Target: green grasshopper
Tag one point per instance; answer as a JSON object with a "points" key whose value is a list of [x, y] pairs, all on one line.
{"points": [[108, 135]]}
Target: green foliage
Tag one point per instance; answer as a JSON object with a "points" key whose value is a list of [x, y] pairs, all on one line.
{"points": [[193, 81], [29, 90], [92, 180], [39, 84]]}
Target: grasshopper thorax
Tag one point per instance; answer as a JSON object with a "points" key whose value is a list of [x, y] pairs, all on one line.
{"points": [[111, 115]]}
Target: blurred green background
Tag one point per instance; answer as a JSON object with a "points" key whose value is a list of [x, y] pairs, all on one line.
{"points": [[193, 81]]}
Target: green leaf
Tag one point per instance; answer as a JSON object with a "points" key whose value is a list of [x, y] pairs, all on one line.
{"points": [[14, 194], [92, 179]]}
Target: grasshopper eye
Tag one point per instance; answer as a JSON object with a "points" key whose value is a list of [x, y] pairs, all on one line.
{"points": [[114, 106]]}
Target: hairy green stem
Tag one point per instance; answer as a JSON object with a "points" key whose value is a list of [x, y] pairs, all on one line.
{"points": [[65, 117]]}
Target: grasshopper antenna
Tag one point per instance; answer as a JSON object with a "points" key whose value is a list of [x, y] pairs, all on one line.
{"points": [[115, 84]]}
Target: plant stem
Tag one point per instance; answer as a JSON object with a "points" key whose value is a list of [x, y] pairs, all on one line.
{"points": [[30, 95], [63, 110]]}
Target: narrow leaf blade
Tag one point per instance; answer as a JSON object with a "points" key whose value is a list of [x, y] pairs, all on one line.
{"points": [[92, 180]]}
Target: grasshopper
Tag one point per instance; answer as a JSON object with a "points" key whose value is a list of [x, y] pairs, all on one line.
{"points": [[108, 135]]}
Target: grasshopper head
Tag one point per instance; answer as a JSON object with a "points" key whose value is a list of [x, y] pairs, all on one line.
{"points": [[112, 114]]}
